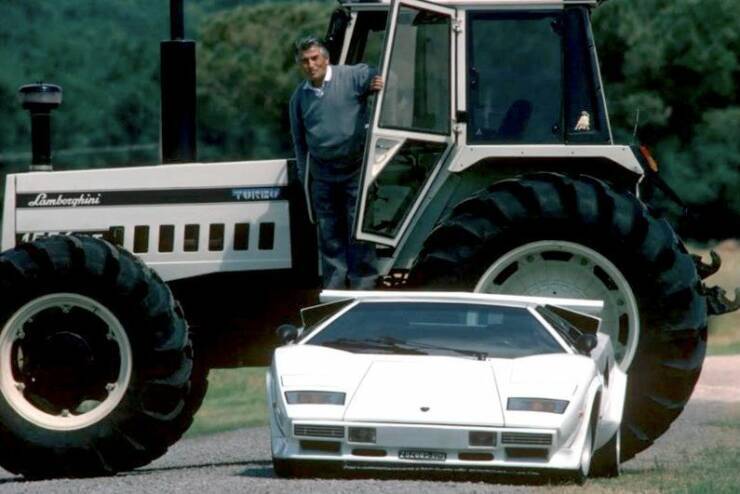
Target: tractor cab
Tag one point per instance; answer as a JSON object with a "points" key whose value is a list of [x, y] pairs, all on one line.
{"points": [[467, 81]]}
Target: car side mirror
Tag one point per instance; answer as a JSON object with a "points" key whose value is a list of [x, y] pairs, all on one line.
{"points": [[287, 333], [586, 342]]}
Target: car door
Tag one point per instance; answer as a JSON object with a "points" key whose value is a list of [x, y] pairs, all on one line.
{"points": [[412, 129]]}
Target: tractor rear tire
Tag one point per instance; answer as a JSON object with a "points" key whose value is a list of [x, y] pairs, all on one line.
{"points": [[548, 234], [95, 361]]}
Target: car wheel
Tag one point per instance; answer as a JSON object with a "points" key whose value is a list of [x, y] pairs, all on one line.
{"points": [[286, 468], [606, 461], [95, 360], [580, 474], [577, 237]]}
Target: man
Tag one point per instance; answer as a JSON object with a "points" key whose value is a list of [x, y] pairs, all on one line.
{"points": [[328, 120]]}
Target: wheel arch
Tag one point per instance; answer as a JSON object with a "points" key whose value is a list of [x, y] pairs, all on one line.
{"points": [[452, 188]]}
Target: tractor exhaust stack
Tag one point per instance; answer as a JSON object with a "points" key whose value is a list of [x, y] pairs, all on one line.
{"points": [[40, 99], [177, 62]]}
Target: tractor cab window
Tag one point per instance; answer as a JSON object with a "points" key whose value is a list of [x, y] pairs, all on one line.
{"points": [[366, 45], [515, 78], [417, 94], [585, 116]]}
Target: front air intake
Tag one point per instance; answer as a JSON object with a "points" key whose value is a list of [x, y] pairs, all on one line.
{"points": [[331, 431], [526, 438]]}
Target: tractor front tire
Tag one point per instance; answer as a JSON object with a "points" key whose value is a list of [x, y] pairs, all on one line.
{"points": [[577, 237], [95, 361]]}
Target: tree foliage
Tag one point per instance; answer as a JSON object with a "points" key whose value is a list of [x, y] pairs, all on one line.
{"points": [[105, 57], [246, 73], [677, 62]]}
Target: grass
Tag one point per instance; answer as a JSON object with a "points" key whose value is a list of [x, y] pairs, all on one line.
{"points": [[711, 471], [715, 470], [235, 399]]}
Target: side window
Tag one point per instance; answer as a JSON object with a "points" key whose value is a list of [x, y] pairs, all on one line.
{"points": [[585, 119], [515, 78], [366, 45], [399, 185], [417, 90]]}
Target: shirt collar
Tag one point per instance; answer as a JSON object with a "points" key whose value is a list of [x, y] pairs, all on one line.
{"points": [[327, 77]]}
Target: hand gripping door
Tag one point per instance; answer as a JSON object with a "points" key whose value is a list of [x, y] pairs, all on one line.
{"points": [[412, 127]]}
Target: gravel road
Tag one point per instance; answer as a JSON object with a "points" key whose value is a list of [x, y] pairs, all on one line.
{"points": [[239, 461]]}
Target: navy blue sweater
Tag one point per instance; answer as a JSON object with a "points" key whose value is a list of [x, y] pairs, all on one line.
{"points": [[331, 126]]}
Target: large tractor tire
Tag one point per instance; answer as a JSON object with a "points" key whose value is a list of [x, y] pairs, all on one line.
{"points": [[552, 235], [95, 361]]}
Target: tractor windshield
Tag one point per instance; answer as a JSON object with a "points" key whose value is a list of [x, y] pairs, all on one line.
{"points": [[515, 72]]}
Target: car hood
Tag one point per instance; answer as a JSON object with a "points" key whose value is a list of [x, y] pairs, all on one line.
{"points": [[428, 390], [425, 389]]}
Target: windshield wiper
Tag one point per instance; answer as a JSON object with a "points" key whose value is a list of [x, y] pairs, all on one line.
{"points": [[429, 346], [373, 344]]}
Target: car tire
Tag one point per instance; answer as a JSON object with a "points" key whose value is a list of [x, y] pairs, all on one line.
{"points": [[95, 360], [606, 460], [606, 236], [286, 468]]}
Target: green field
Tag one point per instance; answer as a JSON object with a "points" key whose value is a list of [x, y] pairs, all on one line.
{"points": [[236, 398]]}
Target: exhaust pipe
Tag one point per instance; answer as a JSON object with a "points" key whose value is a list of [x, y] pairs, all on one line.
{"points": [[40, 99], [177, 65]]}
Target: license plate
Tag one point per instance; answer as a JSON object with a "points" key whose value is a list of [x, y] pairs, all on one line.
{"points": [[421, 455]]}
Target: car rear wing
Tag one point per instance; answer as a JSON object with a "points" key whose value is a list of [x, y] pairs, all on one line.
{"points": [[585, 311]]}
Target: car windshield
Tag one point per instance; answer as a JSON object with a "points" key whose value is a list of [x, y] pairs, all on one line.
{"points": [[435, 328]]}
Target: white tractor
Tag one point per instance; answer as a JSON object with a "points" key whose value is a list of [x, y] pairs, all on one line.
{"points": [[489, 167]]}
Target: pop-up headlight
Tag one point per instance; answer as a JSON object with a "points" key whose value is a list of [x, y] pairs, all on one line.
{"points": [[536, 405], [314, 398]]}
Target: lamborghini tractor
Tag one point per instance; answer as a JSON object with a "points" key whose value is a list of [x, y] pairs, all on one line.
{"points": [[490, 166]]}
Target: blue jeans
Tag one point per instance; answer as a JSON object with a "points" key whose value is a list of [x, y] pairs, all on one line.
{"points": [[344, 260]]}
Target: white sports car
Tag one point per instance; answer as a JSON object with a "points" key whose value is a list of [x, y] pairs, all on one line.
{"points": [[391, 379]]}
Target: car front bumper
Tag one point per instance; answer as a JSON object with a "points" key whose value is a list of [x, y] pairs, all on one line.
{"points": [[398, 445]]}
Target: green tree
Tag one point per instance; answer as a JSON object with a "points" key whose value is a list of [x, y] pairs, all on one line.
{"points": [[246, 73], [677, 62]]}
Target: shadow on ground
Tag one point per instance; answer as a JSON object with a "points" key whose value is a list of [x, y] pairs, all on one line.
{"points": [[264, 470]]}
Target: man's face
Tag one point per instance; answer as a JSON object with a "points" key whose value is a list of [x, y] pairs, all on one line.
{"points": [[313, 64]]}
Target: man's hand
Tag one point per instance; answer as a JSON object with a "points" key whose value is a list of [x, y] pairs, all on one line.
{"points": [[376, 84]]}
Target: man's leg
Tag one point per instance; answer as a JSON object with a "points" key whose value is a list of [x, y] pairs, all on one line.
{"points": [[328, 207], [361, 258]]}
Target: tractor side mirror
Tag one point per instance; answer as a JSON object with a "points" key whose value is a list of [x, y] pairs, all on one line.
{"points": [[586, 342], [287, 333]]}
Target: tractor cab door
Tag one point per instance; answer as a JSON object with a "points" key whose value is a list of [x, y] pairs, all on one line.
{"points": [[411, 131]]}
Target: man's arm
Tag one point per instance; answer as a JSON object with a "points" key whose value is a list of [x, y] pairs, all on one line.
{"points": [[366, 78], [299, 136]]}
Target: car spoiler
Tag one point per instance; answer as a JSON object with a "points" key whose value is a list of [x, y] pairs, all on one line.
{"points": [[583, 307]]}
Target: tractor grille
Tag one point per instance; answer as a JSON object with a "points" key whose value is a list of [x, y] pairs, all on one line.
{"points": [[333, 431], [526, 438]]}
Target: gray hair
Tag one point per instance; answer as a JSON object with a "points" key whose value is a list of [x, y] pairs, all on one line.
{"points": [[307, 43]]}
